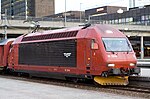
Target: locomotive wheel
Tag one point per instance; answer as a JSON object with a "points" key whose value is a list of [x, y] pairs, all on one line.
{"points": [[73, 79], [30, 76], [19, 74]]}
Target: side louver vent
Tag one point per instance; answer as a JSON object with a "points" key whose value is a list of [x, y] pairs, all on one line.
{"points": [[51, 36]]}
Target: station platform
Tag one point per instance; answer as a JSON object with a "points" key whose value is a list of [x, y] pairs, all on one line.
{"points": [[143, 63], [17, 89]]}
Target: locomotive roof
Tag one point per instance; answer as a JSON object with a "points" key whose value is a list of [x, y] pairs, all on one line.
{"points": [[108, 31], [54, 31], [102, 30], [105, 30]]}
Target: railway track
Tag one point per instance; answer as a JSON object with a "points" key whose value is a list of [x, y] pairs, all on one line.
{"points": [[130, 90]]}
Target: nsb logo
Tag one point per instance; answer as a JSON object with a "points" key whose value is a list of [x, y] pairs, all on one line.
{"points": [[67, 54]]}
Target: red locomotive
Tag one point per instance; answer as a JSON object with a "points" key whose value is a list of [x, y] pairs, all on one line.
{"points": [[97, 52]]}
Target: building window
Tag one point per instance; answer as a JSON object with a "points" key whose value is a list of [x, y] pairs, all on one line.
{"points": [[116, 21], [128, 20], [120, 21]]}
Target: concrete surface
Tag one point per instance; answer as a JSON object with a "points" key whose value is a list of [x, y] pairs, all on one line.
{"points": [[15, 89], [145, 72]]}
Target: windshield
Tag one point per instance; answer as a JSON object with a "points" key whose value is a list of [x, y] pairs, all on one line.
{"points": [[116, 44]]}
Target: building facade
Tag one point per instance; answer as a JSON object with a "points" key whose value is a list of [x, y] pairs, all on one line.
{"points": [[69, 15], [28, 8], [136, 15], [103, 10]]}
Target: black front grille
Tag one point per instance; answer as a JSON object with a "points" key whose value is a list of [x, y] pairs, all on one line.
{"points": [[50, 53]]}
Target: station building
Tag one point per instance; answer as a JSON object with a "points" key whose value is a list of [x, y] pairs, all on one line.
{"points": [[73, 16], [105, 10]]}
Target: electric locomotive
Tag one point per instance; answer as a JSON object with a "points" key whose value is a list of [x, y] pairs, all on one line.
{"points": [[97, 52]]}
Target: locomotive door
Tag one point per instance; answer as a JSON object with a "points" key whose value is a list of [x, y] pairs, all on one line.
{"points": [[88, 58], [91, 57]]}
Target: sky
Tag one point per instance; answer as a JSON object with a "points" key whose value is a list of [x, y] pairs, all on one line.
{"points": [[72, 5]]}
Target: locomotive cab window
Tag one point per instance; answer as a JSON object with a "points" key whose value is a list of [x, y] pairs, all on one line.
{"points": [[94, 45], [116, 45]]}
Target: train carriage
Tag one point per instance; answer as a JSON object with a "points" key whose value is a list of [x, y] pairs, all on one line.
{"points": [[4, 51]]}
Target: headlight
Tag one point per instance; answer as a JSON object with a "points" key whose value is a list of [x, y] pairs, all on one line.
{"points": [[132, 64], [111, 65]]}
